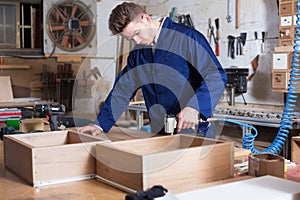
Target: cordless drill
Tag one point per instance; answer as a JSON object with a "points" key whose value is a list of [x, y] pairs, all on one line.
{"points": [[52, 110], [170, 122]]}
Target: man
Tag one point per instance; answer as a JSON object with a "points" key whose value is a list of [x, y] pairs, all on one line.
{"points": [[173, 65]]}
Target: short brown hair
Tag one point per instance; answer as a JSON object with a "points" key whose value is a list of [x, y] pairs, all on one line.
{"points": [[122, 15]]}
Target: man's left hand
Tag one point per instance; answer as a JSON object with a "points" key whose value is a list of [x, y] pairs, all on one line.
{"points": [[187, 118]]}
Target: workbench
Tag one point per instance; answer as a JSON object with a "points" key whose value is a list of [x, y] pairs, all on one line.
{"points": [[13, 188]]}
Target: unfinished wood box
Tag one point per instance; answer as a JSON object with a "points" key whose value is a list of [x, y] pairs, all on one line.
{"points": [[46, 158], [295, 156], [266, 164], [172, 161]]}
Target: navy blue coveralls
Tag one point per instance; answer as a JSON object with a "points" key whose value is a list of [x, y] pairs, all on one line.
{"points": [[182, 71]]}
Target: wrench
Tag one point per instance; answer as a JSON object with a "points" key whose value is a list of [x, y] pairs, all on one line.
{"points": [[228, 17]]}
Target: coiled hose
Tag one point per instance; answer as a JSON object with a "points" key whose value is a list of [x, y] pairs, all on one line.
{"points": [[288, 112]]}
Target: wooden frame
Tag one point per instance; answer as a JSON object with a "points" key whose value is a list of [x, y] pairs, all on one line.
{"points": [[172, 161], [51, 157]]}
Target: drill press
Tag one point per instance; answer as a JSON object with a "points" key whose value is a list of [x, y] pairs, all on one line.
{"points": [[236, 83]]}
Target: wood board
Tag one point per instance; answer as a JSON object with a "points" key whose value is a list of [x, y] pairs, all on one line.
{"points": [[6, 89]]}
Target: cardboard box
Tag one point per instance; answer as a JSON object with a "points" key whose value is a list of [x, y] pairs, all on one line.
{"points": [[46, 158], [295, 155], [172, 161], [36, 124], [266, 164]]}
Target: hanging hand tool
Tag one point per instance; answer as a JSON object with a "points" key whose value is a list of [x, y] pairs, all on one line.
{"points": [[243, 37], [263, 34], [237, 14], [217, 52], [238, 46], [230, 51], [256, 41], [189, 21], [210, 31], [228, 17]]}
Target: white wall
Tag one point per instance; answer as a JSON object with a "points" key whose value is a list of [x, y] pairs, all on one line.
{"points": [[254, 15]]}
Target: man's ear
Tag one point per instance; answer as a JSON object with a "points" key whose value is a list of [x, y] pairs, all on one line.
{"points": [[146, 18]]}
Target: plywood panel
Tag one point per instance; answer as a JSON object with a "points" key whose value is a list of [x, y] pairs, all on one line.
{"points": [[6, 89]]}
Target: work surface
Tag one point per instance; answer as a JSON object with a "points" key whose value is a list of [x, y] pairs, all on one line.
{"points": [[14, 188]]}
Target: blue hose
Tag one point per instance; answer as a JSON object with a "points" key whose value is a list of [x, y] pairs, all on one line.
{"points": [[288, 112]]}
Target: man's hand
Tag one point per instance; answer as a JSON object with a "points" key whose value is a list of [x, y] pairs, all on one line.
{"points": [[187, 118], [93, 130]]}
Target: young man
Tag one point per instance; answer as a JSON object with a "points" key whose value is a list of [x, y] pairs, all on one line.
{"points": [[173, 65]]}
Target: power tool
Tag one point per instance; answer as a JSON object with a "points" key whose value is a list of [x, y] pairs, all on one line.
{"points": [[170, 122], [52, 110]]}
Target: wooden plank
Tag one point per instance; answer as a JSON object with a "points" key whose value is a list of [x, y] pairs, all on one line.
{"points": [[18, 158], [65, 161], [76, 137], [15, 66], [188, 167], [42, 139], [109, 161], [6, 89]]}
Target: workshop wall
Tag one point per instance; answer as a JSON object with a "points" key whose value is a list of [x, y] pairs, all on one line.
{"points": [[255, 15], [21, 79]]}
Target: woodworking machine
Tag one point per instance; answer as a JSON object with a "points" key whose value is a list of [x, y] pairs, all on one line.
{"points": [[236, 83]]}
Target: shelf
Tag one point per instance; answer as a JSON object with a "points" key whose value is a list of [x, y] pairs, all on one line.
{"points": [[15, 66]]}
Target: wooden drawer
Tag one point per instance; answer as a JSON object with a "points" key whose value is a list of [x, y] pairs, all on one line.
{"points": [[287, 32], [280, 80], [51, 157], [282, 61], [172, 161], [286, 42], [286, 8]]}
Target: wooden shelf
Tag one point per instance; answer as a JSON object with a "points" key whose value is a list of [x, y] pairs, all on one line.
{"points": [[15, 66]]}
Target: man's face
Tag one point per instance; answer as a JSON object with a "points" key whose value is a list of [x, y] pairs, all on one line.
{"points": [[140, 31]]}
